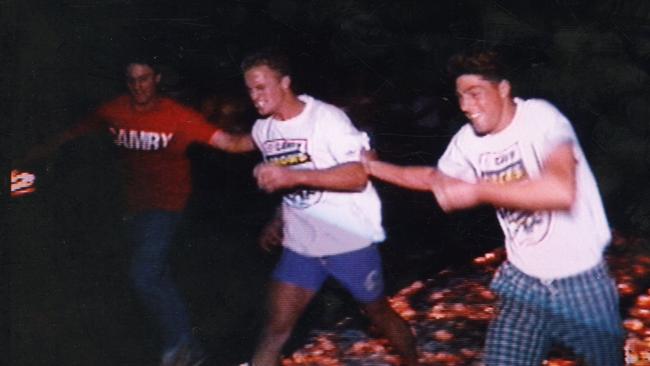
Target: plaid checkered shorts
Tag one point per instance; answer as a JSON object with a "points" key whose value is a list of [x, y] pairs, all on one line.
{"points": [[580, 312]]}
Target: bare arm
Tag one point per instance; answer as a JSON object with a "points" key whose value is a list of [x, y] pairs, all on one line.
{"points": [[272, 235], [232, 143], [47, 149], [346, 177], [555, 189], [419, 178], [86, 126]]}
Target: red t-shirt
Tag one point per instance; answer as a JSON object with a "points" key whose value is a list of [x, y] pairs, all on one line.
{"points": [[152, 146]]}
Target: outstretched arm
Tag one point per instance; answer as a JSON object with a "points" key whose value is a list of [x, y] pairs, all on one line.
{"points": [[419, 178], [42, 151], [232, 143], [346, 177], [271, 235], [555, 189]]}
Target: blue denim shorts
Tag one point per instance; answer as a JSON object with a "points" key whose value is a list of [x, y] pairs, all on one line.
{"points": [[359, 271]]}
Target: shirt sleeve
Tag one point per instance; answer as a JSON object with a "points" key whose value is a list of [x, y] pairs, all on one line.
{"points": [[454, 163], [557, 130], [345, 141], [256, 132], [194, 127]]}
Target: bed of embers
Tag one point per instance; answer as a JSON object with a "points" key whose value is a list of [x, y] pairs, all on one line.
{"points": [[449, 316]]}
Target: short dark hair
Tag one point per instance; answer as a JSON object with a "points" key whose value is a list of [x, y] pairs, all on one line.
{"points": [[153, 61], [486, 63], [274, 58]]}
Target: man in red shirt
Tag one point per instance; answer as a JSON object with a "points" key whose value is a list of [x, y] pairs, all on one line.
{"points": [[151, 133]]}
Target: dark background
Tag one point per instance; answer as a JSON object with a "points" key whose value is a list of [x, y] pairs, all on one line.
{"points": [[65, 295]]}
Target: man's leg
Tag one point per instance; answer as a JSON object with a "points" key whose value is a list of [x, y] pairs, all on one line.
{"points": [[360, 271], [152, 235], [393, 327], [286, 303], [519, 335], [296, 279], [589, 320]]}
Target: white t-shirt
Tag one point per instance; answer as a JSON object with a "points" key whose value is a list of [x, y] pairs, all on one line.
{"points": [[543, 244], [319, 223]]}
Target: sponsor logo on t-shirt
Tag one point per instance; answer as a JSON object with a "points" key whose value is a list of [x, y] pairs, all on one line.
{"points": [[141, 140], [522, 227], [372, 281], [293, 153]]}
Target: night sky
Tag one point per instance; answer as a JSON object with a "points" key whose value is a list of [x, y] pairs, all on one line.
{"points": [[383, 60]]}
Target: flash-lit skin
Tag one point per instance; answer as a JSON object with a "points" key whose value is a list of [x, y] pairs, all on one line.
{"points": [[142, 82], [487, 104], [271, 93]]}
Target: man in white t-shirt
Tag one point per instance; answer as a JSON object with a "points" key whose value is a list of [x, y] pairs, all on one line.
{"points": [[330, 217], [523, 158]]}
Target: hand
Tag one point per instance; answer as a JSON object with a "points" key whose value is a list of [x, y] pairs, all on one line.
{"points": [[271, 235], [367, 157], [272, 177], [454, 194]]}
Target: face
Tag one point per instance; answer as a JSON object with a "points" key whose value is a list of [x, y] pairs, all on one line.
{"points": [[487, 104], [142, 82], [267, 89]]}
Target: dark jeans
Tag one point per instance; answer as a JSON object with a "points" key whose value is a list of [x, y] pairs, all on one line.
{"points": [[152, 234]]}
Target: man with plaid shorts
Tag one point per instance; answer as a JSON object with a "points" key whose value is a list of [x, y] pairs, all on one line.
{"points": [[523, 157]]}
